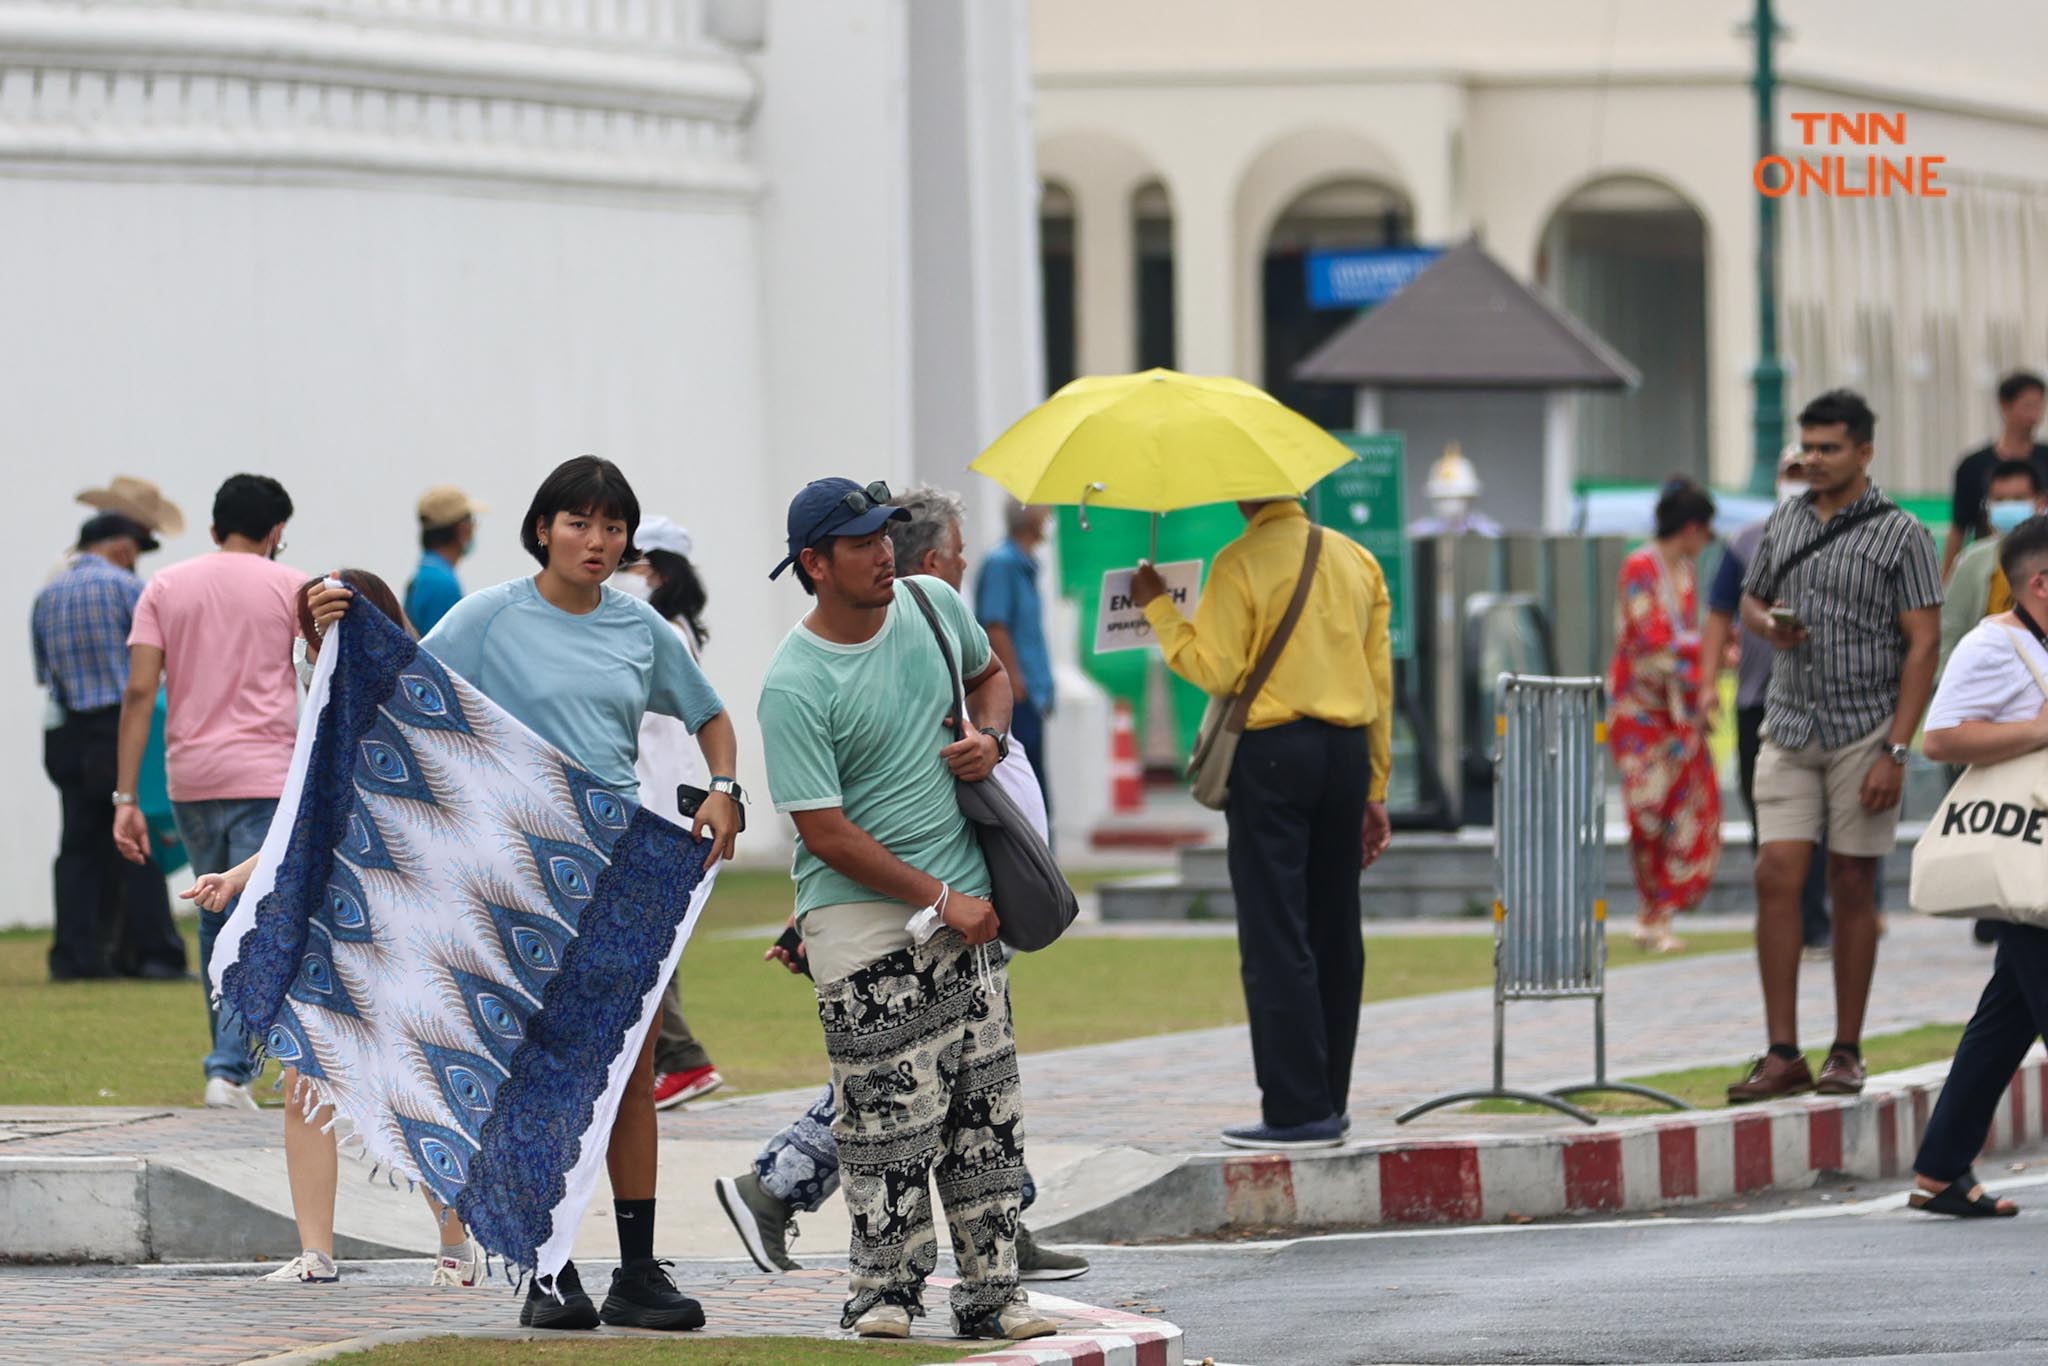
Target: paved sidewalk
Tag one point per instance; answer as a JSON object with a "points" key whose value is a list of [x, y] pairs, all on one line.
{"points": [[170, 1317], [1173, 1093]]}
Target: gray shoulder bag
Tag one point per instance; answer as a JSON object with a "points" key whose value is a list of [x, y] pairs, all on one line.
{"points": [[1033, 902]]}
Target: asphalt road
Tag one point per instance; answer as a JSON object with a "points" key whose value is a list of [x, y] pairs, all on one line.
{"points": [[1853, 1278]]}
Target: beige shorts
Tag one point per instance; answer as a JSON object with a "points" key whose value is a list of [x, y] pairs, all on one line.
{"points": [[841, 940], [1802, 792]]}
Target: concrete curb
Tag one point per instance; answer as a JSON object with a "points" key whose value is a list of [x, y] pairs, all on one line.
{"points": [[1621, 1166]]}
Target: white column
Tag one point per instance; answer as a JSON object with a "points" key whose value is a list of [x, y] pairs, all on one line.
{"points": [[1560, 457], [1205, 265], [1105, 275], [1367, 418]]}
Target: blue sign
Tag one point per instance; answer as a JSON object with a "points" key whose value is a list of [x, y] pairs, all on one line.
{"points": [[1356, 279]]}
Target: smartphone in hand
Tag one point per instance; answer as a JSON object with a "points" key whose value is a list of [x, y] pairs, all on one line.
{"points": [[792, 944]]}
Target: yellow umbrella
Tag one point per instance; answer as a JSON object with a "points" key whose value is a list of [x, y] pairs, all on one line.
{"points": [[1159, 441]]}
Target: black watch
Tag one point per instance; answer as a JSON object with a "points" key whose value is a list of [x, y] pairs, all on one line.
{"points": [[1002, 739]]}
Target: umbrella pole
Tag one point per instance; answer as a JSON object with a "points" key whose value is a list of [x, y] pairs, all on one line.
{"points": [[1155, 539]]}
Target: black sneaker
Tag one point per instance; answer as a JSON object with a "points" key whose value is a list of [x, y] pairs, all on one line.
{"points": [[573, 1310], [644, 1297]]}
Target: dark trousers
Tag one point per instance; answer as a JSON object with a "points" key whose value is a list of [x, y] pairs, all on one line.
{"points": [[113, 916], [2011, 1014], [1813, 897], [1296, 812], [1027, 728]]}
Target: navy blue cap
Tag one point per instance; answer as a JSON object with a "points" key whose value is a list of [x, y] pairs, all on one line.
{"points": [[822, 509]]}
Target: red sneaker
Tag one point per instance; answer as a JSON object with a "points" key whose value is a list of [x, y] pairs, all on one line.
{"points": [[673, 1088]]}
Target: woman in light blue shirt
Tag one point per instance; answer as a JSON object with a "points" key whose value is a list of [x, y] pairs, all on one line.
{"points": [[580, 663]]}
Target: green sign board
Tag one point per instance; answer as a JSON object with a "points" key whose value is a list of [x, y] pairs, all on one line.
{"points": [[1363, 500]]}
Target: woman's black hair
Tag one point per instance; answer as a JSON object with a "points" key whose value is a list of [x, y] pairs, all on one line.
{"points": [[1682, 504], [681, 593], [587, 485]]}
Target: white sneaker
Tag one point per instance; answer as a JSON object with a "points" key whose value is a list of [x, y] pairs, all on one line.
{"points": [[222, 1094], [883, 1321], [1017, 1321], [308, 1268], [468, 1269]]}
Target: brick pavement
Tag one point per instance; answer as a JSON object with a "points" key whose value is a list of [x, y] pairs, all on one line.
{"points": [[166, 1317], [1171, 1094]]}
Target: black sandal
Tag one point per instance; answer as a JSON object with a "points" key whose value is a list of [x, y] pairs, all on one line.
{"points": [[1952, 1201]]}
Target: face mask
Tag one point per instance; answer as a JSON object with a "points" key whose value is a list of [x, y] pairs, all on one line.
{"points": [[1788, 490], [2009, 514], [633, 585], [301, 663]]}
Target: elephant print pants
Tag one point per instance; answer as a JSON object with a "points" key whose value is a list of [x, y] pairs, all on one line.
{"points": [[925, 1069]]}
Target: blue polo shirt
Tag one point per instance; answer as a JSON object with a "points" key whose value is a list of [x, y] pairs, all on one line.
{"points": [[1006, 595], [433, 590]]}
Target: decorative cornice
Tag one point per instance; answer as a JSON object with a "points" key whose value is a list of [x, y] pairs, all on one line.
{"points": [[593, 94]]}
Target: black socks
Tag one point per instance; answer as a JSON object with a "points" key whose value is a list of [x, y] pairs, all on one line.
{"points": [[1853, 1050], [635, 1219], [1784, 1052]]}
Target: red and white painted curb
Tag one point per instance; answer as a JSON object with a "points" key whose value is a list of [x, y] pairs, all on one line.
{"points": [[1112, 1338], [1624, 1165]]}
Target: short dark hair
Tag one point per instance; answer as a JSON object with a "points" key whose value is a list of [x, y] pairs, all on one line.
{"points": [[249, 505], [2017, 383], [2026, 542], [587, 485], [434, 537], [1845, 406], [2015, 469], [681, 593], [1681, 504], [366, 584]]}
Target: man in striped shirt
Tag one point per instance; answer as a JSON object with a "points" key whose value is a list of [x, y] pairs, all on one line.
{"points": [[1847, 589]]}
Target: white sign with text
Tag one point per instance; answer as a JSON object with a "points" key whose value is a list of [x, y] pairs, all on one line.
{"points": [[1120, 626]]}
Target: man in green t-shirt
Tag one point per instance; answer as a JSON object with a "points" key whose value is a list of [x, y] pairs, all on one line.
{"points": [[856, 716]]}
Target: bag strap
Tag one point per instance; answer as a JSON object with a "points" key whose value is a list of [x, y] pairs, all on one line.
{"points": [[2020, 648], [1269, 658], [946, 652], [1837, 527]]}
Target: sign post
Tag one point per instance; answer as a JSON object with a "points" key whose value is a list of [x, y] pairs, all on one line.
{"points": [[1364, 501]]}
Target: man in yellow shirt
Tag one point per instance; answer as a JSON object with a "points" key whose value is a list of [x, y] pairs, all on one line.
{"points": [[1307, 806]]}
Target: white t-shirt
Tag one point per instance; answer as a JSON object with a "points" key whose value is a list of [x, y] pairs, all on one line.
{"points": [[669, 754], [1987, 680]]}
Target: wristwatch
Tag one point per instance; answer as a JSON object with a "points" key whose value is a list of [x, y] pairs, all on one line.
{"points": [[731, 788], [1899, 754], [124, 799], [1002, 739]]}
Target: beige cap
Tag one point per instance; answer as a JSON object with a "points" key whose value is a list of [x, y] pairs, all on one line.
{"points": [[445, 505], [138, 499]]}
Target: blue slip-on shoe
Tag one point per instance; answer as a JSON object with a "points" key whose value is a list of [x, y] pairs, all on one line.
{"points": [[1323, 1133]]}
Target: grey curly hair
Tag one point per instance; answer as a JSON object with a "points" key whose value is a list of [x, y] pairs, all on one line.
{"points": [[932, 510]]}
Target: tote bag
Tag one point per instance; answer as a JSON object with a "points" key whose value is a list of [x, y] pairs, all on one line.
{"points": [[1985, 852], [1034, 904]]}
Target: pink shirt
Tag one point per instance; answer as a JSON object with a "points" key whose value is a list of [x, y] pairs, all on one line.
{"points": [[225, 623]]}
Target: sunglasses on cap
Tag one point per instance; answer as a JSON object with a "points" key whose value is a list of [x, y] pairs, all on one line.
{"points": [[853, 503]]}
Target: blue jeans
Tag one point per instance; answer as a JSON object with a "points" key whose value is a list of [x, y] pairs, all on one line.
{"points": [[218, 835], [800, 1165]]}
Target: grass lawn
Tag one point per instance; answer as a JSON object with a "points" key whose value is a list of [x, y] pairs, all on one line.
{"points": [[696, 1351], [139, 1043], [1706, 1088]]}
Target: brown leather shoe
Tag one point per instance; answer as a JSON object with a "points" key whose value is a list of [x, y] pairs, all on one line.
{"points": [[1841, 1075], [1772, 1077]]}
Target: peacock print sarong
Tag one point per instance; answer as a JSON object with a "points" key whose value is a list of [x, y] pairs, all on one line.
{"points": [[458, 937]]}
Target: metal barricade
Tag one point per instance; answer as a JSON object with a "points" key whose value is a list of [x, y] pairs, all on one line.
{"points": [[1549, 862]]}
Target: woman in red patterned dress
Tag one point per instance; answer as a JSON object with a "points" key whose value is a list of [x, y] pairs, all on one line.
{"points": [[1660, 721]]}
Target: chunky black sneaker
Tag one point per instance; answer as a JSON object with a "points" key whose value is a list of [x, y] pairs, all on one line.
{"points": [[573, 1310], [643, 1296]]}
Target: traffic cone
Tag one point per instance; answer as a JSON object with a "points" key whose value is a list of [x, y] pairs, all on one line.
{"points": [[1126, 779]]}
